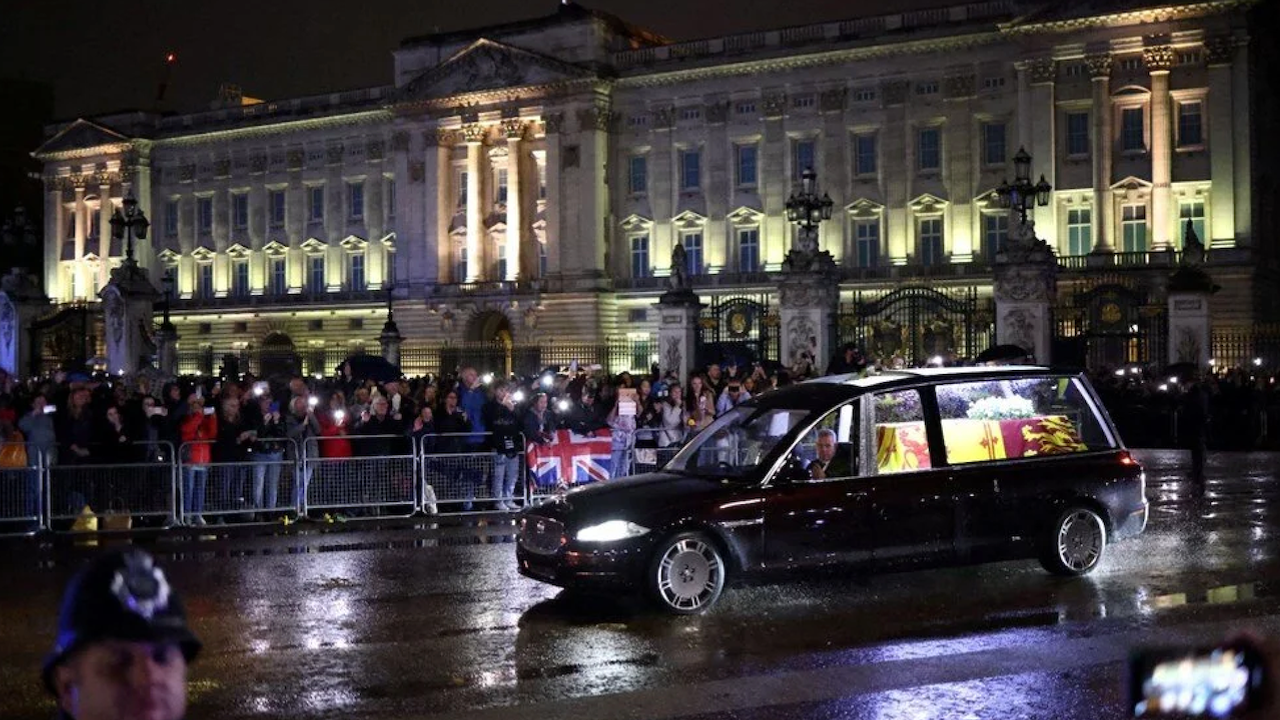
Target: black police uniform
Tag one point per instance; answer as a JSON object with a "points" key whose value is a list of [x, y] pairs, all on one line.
{"points": [[120, 595]]}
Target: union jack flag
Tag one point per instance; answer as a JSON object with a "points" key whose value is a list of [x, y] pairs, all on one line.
{"points": [[571, 459]]}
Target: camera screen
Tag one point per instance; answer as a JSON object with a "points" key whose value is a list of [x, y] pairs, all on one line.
{"points": [[1215, 683]]}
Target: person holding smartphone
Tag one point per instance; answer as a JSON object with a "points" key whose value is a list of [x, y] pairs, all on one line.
{"points": [[37, 426], [268, 454], [198, 430]]}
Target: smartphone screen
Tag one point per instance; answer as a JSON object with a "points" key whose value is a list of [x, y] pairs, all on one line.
{"points": [[1219, 682], [50, 409]]}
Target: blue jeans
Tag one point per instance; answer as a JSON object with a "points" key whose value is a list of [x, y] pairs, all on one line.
{"points": [[193, 482], [266, 476], [620, 462], [506, 471]]}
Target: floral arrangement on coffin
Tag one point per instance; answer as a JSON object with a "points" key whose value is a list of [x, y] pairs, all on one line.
{"points": [[1001, 408]]}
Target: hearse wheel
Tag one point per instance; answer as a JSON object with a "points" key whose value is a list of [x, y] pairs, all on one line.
{"points": [[687, 573], [1076, 542]]}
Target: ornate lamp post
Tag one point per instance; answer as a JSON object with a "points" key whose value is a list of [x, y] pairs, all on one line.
{"points": [[168, 282], [808, 211], [1022, 195], [127, 225]]}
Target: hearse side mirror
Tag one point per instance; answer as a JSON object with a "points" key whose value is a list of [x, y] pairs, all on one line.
{"points": [[792, 471]]}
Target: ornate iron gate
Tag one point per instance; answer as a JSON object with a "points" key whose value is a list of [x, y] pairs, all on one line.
{"points": [[917, 323], [742, 328], [1109, 325], [65, 338]]}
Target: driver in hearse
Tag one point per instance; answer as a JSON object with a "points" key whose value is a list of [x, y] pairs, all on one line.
{"points": [[828, 464]]}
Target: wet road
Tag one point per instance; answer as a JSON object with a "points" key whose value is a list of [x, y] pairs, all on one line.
{"points": [[419, 621]]}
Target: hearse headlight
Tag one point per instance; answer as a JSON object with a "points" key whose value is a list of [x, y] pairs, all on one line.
{"points": [[610, 531]]}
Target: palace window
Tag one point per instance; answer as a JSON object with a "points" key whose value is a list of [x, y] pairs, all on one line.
{"points": [[866, 243], [693, 253], [204, 281], [240, 278], [279, 278], [204, 214], [358, 282], [1078, 134], [638, 174], [748, 250], [1079, 231], [171, 218], [316, 205], [1133, 226], [640, 267], [500, 263], [803, 157], [317, 280], [929, 156], [1131, 130], [1190, 129], [460, 268], [389, 191], [747, 157], [355, 201], [500, 192], [931, 241], [690, 169], [276, 204], [240, 211], [864, 154], [993, 144], [995, 232], [1192, 210], [864, 95]]}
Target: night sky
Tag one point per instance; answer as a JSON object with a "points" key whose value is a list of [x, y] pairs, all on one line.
{"points": [[99, 62]]}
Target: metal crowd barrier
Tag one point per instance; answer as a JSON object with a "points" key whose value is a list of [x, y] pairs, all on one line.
{"points": [[21, 488], [366, 482], [95, 480], [654, 448], [458, 472], [261, 486]]}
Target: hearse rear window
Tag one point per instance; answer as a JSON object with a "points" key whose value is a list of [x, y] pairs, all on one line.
{"points": [[1017, 418]]}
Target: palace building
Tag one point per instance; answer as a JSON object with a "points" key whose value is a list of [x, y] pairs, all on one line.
{"points": [[524, 185]]}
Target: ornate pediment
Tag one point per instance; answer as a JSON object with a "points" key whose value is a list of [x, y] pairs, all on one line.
{"points": [[689, 220], [389, 241], [203, 254], [354, 244], [312, 246], [275, 249], [238, 251], [80, 135], [488, 65], [745, 216], [635, 223], [168, 256], [864, 208], [988, 200], [1132, 183], [927, 204]]}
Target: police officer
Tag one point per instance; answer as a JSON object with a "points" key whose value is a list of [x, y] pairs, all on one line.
{"points": [[123, 643]]}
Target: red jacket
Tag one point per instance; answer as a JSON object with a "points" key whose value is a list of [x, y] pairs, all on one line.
{"points": [[200, 431], [333, 440]]}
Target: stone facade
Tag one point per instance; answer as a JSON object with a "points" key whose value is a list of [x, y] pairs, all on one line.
{"points": [[544, 170]]}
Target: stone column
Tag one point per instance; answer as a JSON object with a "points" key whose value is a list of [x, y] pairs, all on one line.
{"points": [[898, 147], [1159, 60], [1103, 214], [1218, 109], [1044, 117], [678, 312], [958, 93], [475, 201], [554, 125], [774, 182], [514, 130], [103, 222], [1025, 284], [21, 301], [127, 303], [809, 301], [81, 267]]}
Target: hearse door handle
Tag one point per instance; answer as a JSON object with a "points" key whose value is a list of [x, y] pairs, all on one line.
{"points": [[995, 485]]}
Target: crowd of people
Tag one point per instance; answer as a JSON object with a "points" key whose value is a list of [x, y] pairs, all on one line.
{"points": [[238, 437]]}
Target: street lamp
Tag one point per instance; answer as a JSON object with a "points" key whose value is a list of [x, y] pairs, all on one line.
{"points": [[168, 282], [806, 209], [1022, 195], [130, 223]]}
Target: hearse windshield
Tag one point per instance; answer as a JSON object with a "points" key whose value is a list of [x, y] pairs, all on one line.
{"points": [[736, 442]]}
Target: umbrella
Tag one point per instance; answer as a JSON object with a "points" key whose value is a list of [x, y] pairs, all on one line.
{"points": [[1002, 353], [371, 367]]}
